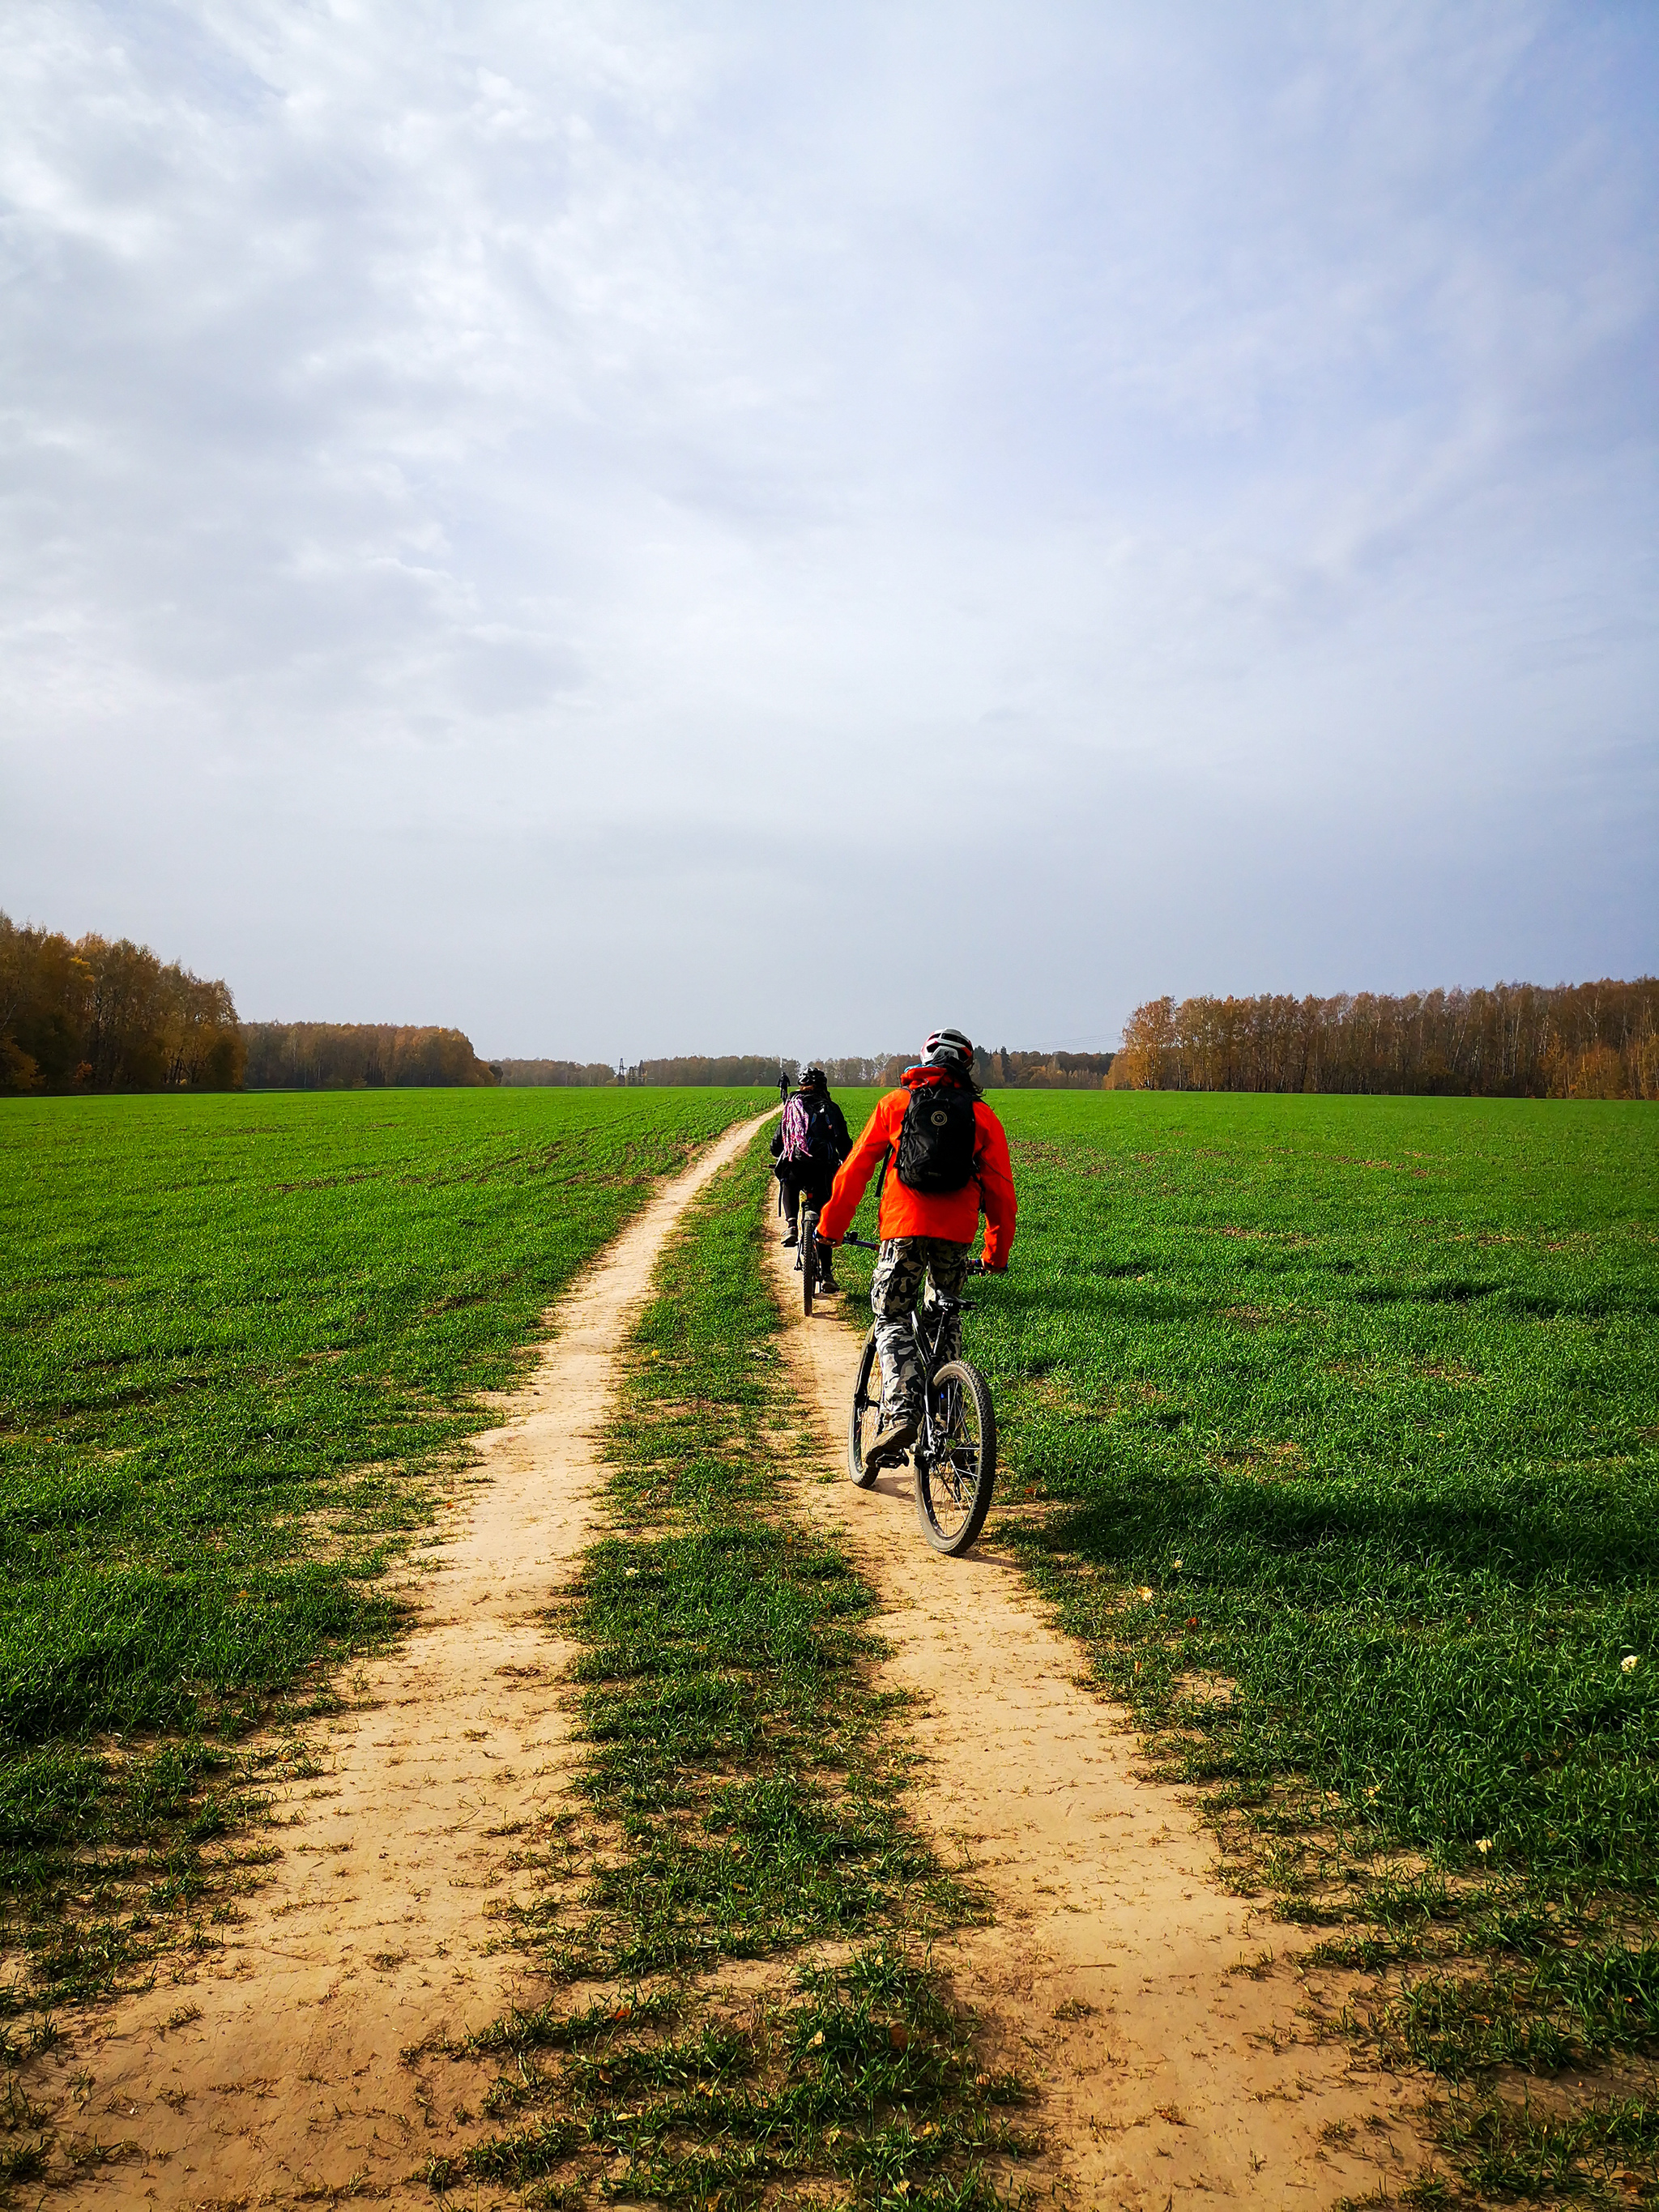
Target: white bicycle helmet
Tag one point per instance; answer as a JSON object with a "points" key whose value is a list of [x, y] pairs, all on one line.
{"points": [[947, 1049]]}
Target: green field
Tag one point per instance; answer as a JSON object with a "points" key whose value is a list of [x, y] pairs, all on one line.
{"points": [[1341, 1422], [1330, 1430], [240, 1341]]}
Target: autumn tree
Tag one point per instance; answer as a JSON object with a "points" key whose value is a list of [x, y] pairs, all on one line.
{"points": [[360, 1056], [1514, 1040], [98, 1015]]}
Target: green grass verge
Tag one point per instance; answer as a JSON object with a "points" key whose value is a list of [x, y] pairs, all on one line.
{"points": [[743, 1791], [240, 1339], [1341, 1418]]}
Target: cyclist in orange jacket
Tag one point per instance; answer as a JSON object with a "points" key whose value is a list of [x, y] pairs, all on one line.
{"points": [[947, 1159]]}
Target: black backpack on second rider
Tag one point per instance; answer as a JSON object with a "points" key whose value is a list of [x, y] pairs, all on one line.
{"points": [[813, 1134], [939, 1140]]}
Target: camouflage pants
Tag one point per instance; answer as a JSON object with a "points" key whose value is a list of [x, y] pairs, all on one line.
{"points": [[904, 1264]]}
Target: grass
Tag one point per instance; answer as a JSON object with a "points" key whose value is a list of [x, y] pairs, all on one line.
{"points": [[735, 1924], [1334, 1432], [243, 1341]]}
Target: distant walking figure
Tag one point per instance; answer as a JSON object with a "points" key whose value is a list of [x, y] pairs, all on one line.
{"points": [[783, 1086], [946, 1160]]}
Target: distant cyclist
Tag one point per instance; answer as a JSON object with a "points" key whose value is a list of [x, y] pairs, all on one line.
{"points": [[810, 1144], [946, 1157]]}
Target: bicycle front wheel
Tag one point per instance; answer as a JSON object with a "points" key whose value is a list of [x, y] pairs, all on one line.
{"points": [[954, 1486], [863, 1422]]}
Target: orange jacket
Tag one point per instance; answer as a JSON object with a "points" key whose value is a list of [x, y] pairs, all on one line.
{"points": [[904, 1212]]}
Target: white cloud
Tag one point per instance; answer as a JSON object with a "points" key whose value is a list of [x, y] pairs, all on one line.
{"points": [[1178, 489]]}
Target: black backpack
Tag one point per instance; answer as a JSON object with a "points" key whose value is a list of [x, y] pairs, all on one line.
{"points": [[821, 1138], [808, 1132], [938, 1140]]}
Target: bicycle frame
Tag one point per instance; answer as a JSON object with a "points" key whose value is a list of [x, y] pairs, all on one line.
{"points": [[813, 1259], [933, 1351], [930, 1318]]}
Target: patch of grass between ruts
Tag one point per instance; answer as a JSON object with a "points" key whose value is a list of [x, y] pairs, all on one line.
{"points": [[744, 1888]]}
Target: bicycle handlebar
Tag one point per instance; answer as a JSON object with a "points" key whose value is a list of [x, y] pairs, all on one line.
{"points": [[870, 1244]]}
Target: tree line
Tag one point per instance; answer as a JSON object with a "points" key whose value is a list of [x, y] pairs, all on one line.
{"points": [[1042, 1071], [728, 1071], [581, 1074], [93, 1014], [360, 1056], [97, 1014], [1000, 1070], [1514, 1041]]}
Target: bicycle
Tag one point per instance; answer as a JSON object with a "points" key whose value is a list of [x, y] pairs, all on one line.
{"points": [[809, 1256], [955, 1452], [812, 1260]]}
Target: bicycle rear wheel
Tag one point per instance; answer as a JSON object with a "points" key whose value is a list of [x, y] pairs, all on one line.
{"points": [[865, 1421], [953, 1489], [809, 1258]]}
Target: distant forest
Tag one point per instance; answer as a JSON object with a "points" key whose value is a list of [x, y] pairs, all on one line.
{"points": [[95, 1015], [1000, 1070], [88, 1014], [359, 1056], [732, 1070], [92, 1015], [582, 1074], [1515, 1040]]}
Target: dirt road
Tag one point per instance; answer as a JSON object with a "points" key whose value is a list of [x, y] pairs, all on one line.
{"points": [[270, 2070], [1169, 2078]]}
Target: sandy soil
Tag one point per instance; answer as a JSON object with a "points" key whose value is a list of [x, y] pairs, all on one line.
{"points": [[1168, 2078], [271, 2072]]}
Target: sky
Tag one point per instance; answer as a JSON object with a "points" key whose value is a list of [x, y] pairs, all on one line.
{"points": [[635, 529]]}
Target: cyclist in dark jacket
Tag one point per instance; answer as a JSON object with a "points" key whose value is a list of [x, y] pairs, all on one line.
{"points": [[808, 1148]]}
